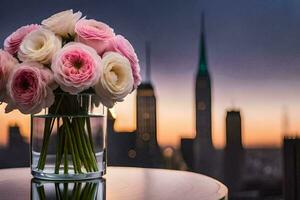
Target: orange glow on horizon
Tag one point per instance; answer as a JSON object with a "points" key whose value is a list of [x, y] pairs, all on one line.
{"points": [[261, 124], [10, 119]]}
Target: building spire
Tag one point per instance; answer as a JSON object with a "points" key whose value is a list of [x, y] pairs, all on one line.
{"points": [[148, 62], [285, 121], [202, 65]]}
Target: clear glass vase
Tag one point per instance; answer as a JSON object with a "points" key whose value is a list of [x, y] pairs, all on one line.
{"points": [[68, 140]]}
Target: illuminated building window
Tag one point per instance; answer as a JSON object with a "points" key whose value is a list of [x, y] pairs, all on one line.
{"points": [[146, 136], [201, 105], [131, 153]]}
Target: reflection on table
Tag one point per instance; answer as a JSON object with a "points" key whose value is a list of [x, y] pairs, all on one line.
{"points": [[64, 190], [121, 183]]}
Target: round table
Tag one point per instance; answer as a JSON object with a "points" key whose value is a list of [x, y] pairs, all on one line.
{"points": [[120, 183]]}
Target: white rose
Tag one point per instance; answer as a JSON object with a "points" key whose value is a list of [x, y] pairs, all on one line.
{"points": [[62, 23], [39, 45], [116, 80]]}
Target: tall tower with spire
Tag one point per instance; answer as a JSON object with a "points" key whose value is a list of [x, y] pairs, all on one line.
{"points": [[203, 147], [203, 93], [146, 144]]}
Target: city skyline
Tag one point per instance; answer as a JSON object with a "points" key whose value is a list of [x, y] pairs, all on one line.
{"points": [[252, 53]]}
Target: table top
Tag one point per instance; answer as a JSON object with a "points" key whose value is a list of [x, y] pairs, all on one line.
{"points": [[120, 183]]}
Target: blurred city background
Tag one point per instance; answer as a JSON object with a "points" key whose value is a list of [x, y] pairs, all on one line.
{"points": [[220, 91]]}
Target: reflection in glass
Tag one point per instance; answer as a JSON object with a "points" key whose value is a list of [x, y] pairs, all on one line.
{"points": [[71, 190]]}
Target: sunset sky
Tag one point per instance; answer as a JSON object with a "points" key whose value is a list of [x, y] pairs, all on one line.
{"points": [[253, 52]]}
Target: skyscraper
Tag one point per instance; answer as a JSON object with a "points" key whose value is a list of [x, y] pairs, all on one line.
{"points": [[16, 152], [203, 147], [233, 130], [146, 109], [199, 153], [138, 148], [203, 94], [147, 146], [121, 146], [291, 155], [233, 151], [15, 139], [146, 116]]}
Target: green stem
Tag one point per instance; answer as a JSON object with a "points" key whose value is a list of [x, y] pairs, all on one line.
{"points": [[66, 167], [88, 122], [81, 134], [57, 191], [47, 132], [91, 193], [92, 154], [41, 192], [65, 191], [81, 147], [59, 148], [88, 140], [73, 147], [77, 192], [90, 150], [84, 191], [72, 139], [41, 163], [74, 158]]}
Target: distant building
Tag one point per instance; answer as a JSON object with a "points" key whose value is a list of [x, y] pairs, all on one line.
{"points": [[147, 148], [233, 131], [249, 173], [140, 147], [146, 112], [121, 147], [291, 154], [233, 151], [261, 173], [199, 151], [16, 153], [146, 144]]}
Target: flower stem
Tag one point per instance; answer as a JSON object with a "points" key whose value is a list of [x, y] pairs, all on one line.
{"points": [[80, 146], [89, 144], [49, 123], [65, 191], [66, 166], [76, 191], [84, 191], [42, 160], [85, 144], [91, 191], [41, 192], [75, 154], [74, 137], [57, 191], [88, 122], [60, 142]]}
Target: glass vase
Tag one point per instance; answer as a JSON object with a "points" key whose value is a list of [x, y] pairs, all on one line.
{"points": [[68, 139]]}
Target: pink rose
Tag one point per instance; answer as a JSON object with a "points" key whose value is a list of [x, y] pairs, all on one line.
{"points": [[116, 80], [122, 46], [12, 42], [76, 67], [7, 64], [30, 88], [93, 33]]}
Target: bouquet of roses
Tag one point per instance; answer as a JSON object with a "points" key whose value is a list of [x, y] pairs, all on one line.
{"points": [[66, 54]]}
